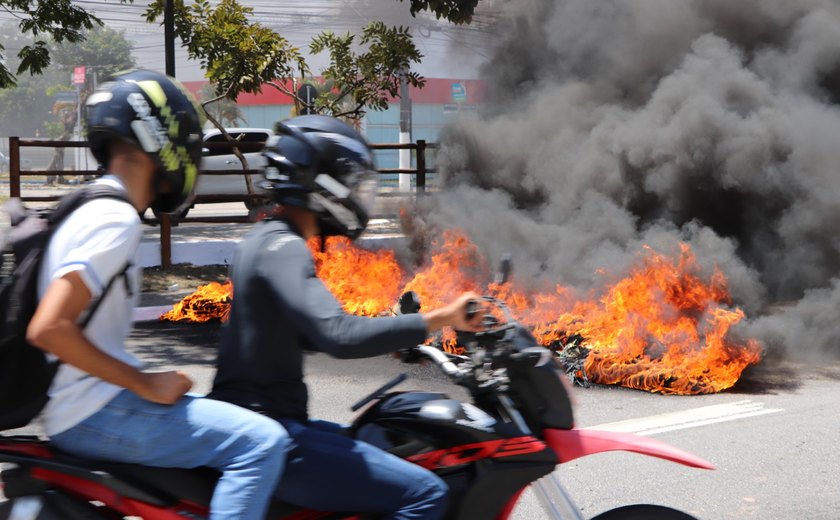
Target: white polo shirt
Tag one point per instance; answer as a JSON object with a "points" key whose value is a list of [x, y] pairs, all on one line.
{"points": [[96, 241]]}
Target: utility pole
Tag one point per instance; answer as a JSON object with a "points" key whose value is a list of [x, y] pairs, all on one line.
{"points": [[169, 37], [405, 135], [169, 59]]}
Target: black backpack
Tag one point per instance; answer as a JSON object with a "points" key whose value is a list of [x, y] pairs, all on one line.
{"points": [[25, 372]]}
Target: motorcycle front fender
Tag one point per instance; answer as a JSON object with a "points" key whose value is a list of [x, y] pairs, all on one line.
{"points": [[575, 443]]}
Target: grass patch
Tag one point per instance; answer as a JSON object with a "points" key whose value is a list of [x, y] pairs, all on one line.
{"points": [[182, 277]]}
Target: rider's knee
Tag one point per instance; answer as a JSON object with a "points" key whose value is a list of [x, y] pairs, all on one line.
{"points": [[435, 491], [273, 439]]}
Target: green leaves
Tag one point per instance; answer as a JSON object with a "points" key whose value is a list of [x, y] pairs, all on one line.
{"points": [[456, 11], [102, 50], [371, 77], [237, 54], [26, 107], [34, 58], [56, 20], [242, 56]]}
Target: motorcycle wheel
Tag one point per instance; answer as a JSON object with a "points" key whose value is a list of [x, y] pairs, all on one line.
{"points": [[644, 512]]}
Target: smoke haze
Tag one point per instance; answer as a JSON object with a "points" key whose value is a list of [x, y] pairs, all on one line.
{"points": [[614, 124]]}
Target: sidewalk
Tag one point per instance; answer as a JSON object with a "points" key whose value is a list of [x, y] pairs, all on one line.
{"points": [[215, 244]]}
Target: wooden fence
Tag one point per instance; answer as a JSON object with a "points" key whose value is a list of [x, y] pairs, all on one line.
{"points": [[420, 149]]}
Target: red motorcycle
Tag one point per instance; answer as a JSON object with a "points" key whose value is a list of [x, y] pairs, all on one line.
{"points": [[517, 429]]}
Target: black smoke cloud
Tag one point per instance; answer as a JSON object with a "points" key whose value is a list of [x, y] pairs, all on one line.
{"points": [[613, 124]]}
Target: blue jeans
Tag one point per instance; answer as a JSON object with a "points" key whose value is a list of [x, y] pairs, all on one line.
{"points": [[249, 449], [330, 472]]}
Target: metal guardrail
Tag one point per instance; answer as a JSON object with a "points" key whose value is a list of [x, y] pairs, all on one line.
{"points": [[165, 221]]}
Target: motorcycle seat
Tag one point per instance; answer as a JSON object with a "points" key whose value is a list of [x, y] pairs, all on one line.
{"points": [[168, 485]]}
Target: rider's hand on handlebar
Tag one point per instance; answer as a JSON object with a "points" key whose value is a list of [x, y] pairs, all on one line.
{"points": [[457, 315]]}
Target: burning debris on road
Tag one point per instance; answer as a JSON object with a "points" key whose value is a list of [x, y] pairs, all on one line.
{"points": [[209, 302], [661, 328]]}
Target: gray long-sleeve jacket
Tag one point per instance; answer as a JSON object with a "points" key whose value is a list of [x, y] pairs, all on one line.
{"points": [[280, 308]]}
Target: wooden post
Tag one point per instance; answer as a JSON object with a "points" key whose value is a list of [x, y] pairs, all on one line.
{"points": [[421, 168], [165, 242], [14, 167]]}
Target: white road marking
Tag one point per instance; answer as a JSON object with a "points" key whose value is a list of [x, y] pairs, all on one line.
{"points": [[150, 313], [692, 418]]}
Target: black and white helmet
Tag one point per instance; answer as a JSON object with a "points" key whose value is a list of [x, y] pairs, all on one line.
{"points": [[156, 113], [324, 165]]}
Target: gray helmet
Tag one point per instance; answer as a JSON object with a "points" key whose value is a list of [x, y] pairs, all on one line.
{"points": [[324, 165], [156, 113]]}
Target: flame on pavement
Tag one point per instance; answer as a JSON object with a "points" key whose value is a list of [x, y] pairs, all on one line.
{"points": [[208, 302], [661, 328]]}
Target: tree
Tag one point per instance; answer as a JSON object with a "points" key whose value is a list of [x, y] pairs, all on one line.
{"points": [[369, 78], [102, 52], [456, 11], [48, 101], [56, 21], [223, 110], [24, 108], [64, 20], [243, 56]]}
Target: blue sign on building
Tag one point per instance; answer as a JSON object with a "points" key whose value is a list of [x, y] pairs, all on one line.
{"points": [[459, 92]]}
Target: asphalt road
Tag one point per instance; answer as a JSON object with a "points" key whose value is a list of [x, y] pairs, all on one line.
{"points": [[773, 437]]}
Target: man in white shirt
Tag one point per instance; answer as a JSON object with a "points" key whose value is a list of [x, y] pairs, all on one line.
{"points": [[146, 129]]}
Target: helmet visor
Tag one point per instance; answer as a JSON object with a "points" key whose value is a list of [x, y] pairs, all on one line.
{"points": [[344, 209]]}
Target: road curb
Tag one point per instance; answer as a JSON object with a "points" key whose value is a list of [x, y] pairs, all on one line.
{"points": [[221, 251], [145, 314], [218, 252]]}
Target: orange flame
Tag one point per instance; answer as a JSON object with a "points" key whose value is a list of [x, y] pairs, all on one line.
{"points": [[366, 282], [661, 328], [208, 302]]}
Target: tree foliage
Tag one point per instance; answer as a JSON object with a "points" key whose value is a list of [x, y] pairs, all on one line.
{"points": [[237, 55], [29, 105], [369, 78], [243, 56], [65, 20], [456, 11], [56, 20], [223, 110], [102, 51]]}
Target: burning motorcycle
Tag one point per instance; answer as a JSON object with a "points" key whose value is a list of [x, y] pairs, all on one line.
{"points": [[518, 428]]}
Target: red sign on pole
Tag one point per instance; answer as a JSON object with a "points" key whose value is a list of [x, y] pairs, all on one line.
{"points": [[79, 75]]}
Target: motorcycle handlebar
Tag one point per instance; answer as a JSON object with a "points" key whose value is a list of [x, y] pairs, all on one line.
{"points": [[442, 360]]}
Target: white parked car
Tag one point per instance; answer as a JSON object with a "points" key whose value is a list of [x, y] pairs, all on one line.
{"points": [[224, 159]]}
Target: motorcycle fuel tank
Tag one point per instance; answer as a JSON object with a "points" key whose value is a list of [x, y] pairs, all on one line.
{"points": [[433, 416]]}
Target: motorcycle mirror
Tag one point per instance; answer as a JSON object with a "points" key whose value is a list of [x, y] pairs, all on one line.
{"points": [[505, 267], [409, 303]]}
